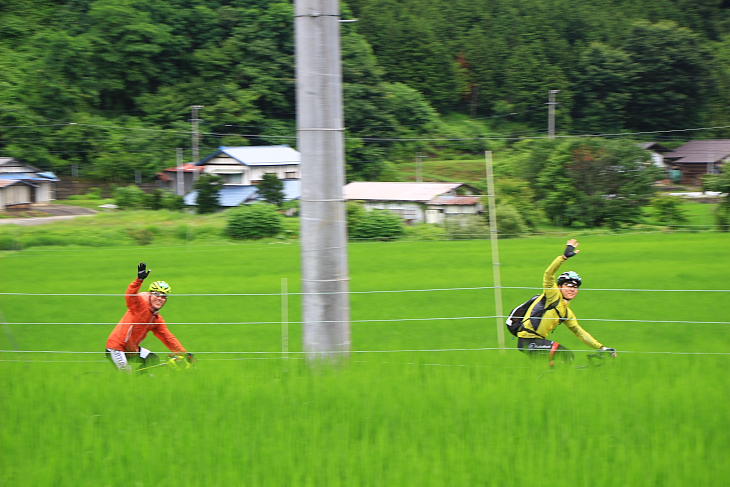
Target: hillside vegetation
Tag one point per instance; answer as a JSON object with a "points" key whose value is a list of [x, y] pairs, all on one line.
{"points": [[106, 86]]}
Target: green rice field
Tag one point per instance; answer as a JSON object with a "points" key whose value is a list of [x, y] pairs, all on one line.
{"points": [[426, 397]]}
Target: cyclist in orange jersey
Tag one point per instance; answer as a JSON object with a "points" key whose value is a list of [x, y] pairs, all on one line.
{"points": [[142, 316]]}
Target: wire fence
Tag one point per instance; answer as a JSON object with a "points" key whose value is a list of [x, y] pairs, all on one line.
{"points": [[261, 355]]}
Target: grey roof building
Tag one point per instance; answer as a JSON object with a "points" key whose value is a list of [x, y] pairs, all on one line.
{"points": [[699, 157]]}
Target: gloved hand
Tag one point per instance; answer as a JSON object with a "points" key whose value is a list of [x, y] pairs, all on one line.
{"points": [[570, 250], [606, 349], [142, 271]]}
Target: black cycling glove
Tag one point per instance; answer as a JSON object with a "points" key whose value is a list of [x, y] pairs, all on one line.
{"points": [[569, 251], [142, 271]]}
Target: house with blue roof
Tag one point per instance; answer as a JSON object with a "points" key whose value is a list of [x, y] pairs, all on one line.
{"points": [[24, 185], [241, 169]]}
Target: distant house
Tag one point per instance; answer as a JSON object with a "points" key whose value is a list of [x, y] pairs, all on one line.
{"points": [[21, 184], [416, 202], [241, 169], [657, 153], [697, 158]]}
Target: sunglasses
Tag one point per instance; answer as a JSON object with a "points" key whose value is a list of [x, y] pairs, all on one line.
{"points": [[159, 295], [571, 284]]}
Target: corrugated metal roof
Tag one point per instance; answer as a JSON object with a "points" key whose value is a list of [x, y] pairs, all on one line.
{"points": [[392, 191], [700, 151], [228, 195], [16, 175], [234, 195], [24, 176], [9, 182], [455, 200], [259, 155], [48, 175]]}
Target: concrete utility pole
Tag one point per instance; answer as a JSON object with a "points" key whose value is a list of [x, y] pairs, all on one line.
{"points": [[551, 113], [180, 173], [320, 127], [196, 135]]}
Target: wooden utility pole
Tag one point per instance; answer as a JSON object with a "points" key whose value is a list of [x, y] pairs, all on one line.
{"points": [[320, 137]]}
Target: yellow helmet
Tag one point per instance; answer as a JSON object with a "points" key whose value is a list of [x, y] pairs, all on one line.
{"points": [[160, 287]]}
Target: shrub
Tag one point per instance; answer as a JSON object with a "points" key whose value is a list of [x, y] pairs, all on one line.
{"points": [[510, 223], [129, 197], [722, 217], [173, 202], [254, 221], [669, 209], [355, 213], [425, 231], [466, 227], [378, 225], [143, 236]]}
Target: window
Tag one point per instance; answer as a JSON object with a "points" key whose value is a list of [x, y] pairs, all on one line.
{"points": [[232, 178]]}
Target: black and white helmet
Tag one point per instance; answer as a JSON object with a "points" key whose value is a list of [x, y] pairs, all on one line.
{"points": [[569, 276]]}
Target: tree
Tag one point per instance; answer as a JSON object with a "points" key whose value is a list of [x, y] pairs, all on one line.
{"points": [[208, 186], [603, 87], [271, 189], [672, 74], [592, 182]]}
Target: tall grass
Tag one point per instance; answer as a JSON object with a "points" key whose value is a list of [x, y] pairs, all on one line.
{"points": [[647, 421], [386, 416]]}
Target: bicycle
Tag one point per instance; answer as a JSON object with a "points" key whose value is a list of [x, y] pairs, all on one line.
{"points": [[176, 362]]}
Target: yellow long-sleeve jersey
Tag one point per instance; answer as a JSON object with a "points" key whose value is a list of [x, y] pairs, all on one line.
{"points": [[538, 324]]}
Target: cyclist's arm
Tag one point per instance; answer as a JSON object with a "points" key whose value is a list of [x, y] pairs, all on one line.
{"points": [[578, 331], [166, 337], [548, 280], [132, 298]]}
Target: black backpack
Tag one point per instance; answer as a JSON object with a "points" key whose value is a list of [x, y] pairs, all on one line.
{"points": [[514, 320]]}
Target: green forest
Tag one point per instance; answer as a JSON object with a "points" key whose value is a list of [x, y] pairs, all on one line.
{"points": [[105, 87]]}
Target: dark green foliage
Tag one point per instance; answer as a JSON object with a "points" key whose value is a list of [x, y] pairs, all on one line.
{"points": [[720, 183], [154, 199], [591, 182], [130, 197], [254, 221], [470, 227], [668, 209], [107, 85], [378, 225], [271, 189], [355, 214], [173, 202], [208, 186]]}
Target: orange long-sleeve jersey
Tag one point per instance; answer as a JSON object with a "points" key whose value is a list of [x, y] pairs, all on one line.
{"points": [[139, 320]]}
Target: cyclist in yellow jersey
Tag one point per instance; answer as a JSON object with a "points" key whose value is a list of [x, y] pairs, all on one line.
{"points": [[556, 297]]}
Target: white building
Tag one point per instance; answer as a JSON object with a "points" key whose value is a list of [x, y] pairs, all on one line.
{"points": [[415, 202], [247, 165], [21, 184], [241, 169]]}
